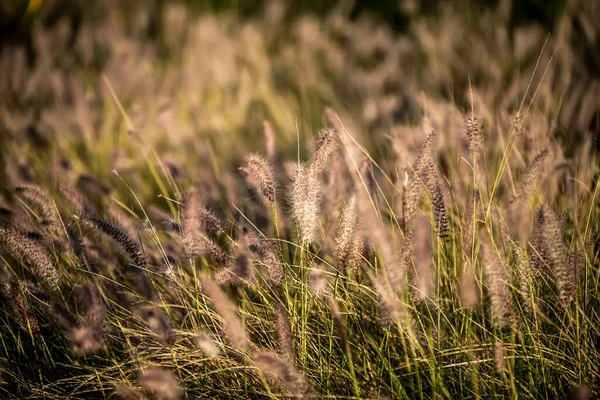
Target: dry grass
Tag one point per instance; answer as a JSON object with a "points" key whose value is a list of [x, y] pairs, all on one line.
{"points": [[313, 208]]}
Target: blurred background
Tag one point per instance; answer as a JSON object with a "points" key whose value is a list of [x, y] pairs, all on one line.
{"points": [[192, 73]]}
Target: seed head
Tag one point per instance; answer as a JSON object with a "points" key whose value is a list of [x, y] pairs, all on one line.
{"points": [[21, 246], [163, 383], [283, 330], [260, 176], [232, 323], [497, 278]]}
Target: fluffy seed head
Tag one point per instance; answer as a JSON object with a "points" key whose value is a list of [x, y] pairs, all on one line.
{"points": [[206, 343], [424, 274], [324, 148], [163, 383], [525, 276], [240, 272], [270, 364], [264, 252], [117, 235], [42, 200], [318, 283], [499, 357], [196, 222], [126, 392], [232, 323], [305, 196], [391, 309], [349, 239], [24, 311], [474, 132], [431, 179], [283, 330], [468, 289], [21, 246], [260, 176], [91, 307], [534, 170], [77, 201], [159, 323], [555, 254], [496, 275], [86, 340]]}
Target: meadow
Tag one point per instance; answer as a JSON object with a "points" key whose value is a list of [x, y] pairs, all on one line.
{"points": [[216, 206]]}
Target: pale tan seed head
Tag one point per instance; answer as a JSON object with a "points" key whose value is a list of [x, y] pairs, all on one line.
{"points": [[232, 323], [260, 176], [283, 330], [163, 383]]}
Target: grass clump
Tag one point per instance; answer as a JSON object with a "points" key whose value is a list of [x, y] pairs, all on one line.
{"points": [[231, 211]]}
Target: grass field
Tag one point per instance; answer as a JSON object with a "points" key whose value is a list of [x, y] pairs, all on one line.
{"points": [[209, 206]]}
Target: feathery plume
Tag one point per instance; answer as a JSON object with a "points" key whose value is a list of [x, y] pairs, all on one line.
{"points": [[283, 329], [260, 176], [525, 277], [468, 288], [431, 179], [196, 221], [305, 198], [77, 201], [206, 343], [126, 392], [531, 175], [163, 383], [23, 247], [264, 253], [240, 272], [496, 275], [196, 216], [318, 282], [338, 323], [159, 323], [285, 372], [581, 392], [345, 231], [424, 274], [474, 132], [78, 248], [232, 323], [499, 357], [42, 200], [91, 306], [206, 247], [423, 173], [555, 254], [122, 219], [391, 309], [24, 311], [85, 340], [538, 252], [136, 269], [519, 211], [117, 235], [576, 264], [349, 240], [324, 149]]}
